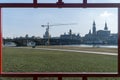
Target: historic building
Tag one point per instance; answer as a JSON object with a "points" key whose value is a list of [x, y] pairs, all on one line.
{"points": [[70, 35], [46, 35], [97, 37]]}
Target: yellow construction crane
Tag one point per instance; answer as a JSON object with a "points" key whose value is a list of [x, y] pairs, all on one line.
{"points": [[47, 34]]}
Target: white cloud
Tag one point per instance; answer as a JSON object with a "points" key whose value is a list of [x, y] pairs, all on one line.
{"points": [[106, 14], [115, 1]]}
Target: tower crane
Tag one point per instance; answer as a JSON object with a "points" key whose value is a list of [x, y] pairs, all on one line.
{"points": [[47, 34]]}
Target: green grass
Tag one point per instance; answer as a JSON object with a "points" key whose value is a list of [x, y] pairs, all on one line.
{"points": [[34, 60], [29, 60]]}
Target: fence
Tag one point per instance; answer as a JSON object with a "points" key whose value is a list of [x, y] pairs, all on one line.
{"points": [[60, 75]]}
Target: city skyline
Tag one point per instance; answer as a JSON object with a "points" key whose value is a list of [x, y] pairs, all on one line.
{"points": [[94, 36], [105, 28], [19, 22]]}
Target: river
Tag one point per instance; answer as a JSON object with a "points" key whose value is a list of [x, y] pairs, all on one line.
{"points": [[99, 46]]}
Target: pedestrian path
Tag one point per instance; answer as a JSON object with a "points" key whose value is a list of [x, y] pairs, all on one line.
{"points": [[78, 51]]}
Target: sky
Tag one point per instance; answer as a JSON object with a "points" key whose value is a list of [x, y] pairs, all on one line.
{"points": [[19, 22]]}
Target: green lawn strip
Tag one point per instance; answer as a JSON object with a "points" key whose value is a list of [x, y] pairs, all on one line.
{"points": [[32, 60]]}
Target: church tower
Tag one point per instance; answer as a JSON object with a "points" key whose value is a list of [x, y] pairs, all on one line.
{"points": [[94, 28], [70, 32], [89, 31], [105, 28]]}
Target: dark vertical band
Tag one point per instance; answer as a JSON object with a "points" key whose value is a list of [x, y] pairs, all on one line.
{"points": [[119, 40], [35, 3], [0, 41]]}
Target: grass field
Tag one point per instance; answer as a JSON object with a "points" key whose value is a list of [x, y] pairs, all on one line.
{"points": [[35, 60]]}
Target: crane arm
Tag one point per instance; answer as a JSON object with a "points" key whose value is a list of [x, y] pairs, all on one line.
{"points": [[44, 25], [59, 24]]}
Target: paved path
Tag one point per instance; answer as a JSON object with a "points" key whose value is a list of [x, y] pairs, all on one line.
{"points": [[79, 51]]}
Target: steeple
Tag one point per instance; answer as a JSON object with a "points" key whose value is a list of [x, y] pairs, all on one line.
{"points": [[94, 23], [105, 28], [70, 32], [89, 31], [94, 28]]}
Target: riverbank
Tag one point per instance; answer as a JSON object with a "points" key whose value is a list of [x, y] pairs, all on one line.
{"points": [[98, 46], [96, 49]]}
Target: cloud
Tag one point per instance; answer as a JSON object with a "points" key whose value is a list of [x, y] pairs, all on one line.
{"points": [[115, 1], [106, 14]]}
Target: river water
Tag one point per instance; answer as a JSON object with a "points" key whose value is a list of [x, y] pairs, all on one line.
{"points": [[99, 46]]}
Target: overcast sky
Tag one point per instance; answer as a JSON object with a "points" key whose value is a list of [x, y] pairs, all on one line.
{"points": [[19, 22]]}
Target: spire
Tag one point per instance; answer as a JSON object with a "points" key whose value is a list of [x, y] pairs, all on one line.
{"points": [[70, 32], [94, 28], [94, 22], [89, 31], [105, 28]]}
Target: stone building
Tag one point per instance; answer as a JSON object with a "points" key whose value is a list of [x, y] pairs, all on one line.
{"points": [[70, 35], [97, 37]]}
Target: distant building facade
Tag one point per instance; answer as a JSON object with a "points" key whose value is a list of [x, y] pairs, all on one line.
{"points": [[70, 38], [46, 35], [99, 37], [70, 35]]}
